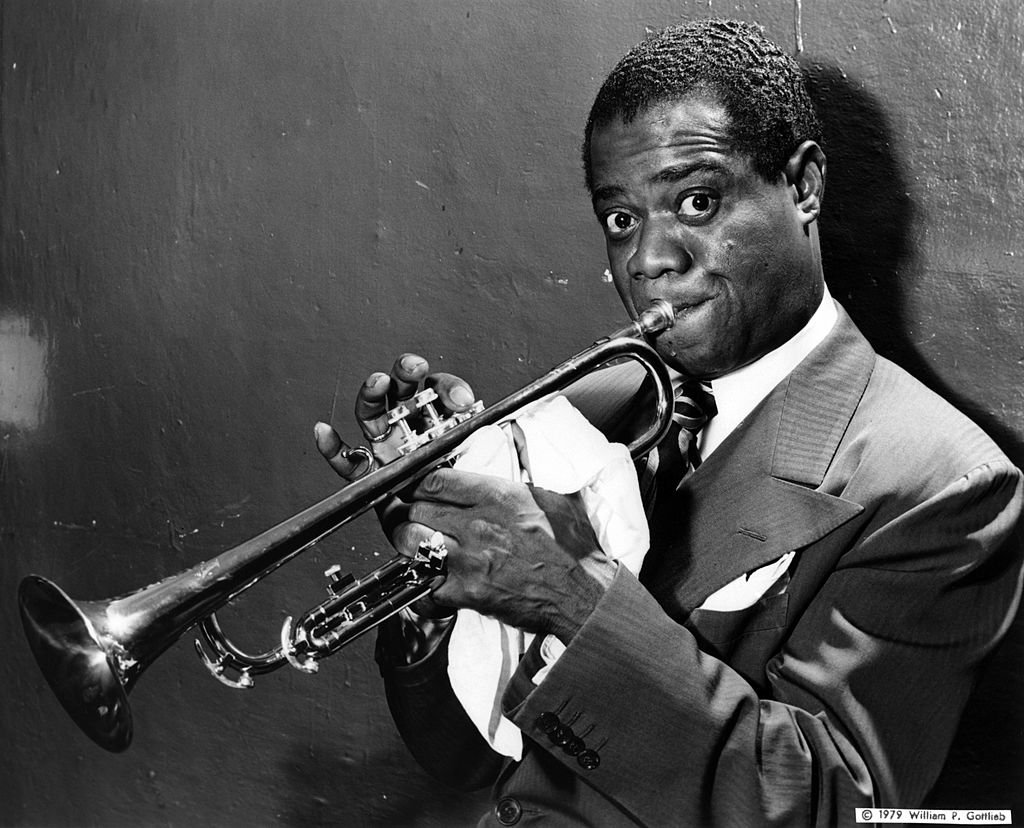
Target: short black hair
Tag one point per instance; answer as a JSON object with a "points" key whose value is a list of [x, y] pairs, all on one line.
{"points": [[761, 88]]}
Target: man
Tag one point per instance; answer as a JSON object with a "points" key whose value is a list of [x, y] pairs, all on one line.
{"points": [[819, 591]]}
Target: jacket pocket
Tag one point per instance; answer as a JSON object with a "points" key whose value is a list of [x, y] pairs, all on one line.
{"points": [[719, 632]]}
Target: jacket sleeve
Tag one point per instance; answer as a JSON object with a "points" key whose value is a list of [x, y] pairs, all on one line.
{"points": [[862, 699], [429, 717]]}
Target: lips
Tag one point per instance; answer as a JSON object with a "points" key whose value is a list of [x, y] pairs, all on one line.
{"points": [[685, 304], [690, 304]]}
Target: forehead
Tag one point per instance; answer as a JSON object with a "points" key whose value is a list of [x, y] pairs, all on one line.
{"points": [[695, 129]]}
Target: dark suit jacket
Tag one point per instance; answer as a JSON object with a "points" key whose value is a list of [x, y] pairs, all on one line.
{"points": [[840, 688]]}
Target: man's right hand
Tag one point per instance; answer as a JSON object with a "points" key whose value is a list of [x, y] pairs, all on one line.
{"points": [[379, 393]]}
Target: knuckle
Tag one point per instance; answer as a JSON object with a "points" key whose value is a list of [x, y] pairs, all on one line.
{"points": [[481, 528], [417, 513], [436, 483], [487, 533], [511, 495], [426, 516]]}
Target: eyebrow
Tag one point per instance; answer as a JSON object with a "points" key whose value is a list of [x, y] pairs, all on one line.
{"points": [[668, 175]]}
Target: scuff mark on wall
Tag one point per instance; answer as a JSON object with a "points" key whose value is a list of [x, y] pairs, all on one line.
{"points": [[798, 24], [24, 357]]}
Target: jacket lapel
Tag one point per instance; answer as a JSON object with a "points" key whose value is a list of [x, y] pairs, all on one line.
{"points": [[755, 497]]}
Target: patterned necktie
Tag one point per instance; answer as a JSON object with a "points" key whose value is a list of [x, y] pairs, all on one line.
{"points": [[678, 452]]}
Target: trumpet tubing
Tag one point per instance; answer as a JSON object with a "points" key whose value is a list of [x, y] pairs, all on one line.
{"points": [[92, 652]]}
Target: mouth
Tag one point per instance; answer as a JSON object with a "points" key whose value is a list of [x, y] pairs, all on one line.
{"points": [[689, 306], [686, 312]]}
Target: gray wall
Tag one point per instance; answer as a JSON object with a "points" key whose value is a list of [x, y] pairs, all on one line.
{"points": [[219, 216]]}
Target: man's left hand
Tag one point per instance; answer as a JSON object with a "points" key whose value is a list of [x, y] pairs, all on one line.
{"points": [[519, 553]]}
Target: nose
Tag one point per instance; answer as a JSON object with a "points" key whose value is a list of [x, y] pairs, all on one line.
{"points": [[660, 250]]}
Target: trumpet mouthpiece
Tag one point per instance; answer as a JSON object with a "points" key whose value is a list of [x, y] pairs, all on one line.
{"points": [[657, 318]]}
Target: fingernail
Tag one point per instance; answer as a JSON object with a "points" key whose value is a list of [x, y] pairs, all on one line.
{"points": [[461, 396], [411, 363], [321, 430]]}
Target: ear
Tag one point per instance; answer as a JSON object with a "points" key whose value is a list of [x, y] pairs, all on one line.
{"points": [[805, 173]]}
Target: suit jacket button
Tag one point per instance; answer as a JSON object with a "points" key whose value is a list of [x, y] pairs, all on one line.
{"points": [[574, 746], [561, 735], [548, 723], [508, 810], [589, 759]]}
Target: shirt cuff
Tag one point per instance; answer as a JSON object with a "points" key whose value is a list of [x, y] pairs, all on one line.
{"points": [[551, 649]]}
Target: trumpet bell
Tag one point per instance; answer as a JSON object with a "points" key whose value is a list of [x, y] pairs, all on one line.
{"points": [[70, 651]]}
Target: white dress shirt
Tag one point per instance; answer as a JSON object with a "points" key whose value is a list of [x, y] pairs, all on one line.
{"points": [[736, 395], [739, 393]]}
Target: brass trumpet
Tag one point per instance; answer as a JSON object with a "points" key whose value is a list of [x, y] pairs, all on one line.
{"points": [[93, 652]]}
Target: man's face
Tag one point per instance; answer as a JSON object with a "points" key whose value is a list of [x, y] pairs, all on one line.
{"points": [[688, 219]]}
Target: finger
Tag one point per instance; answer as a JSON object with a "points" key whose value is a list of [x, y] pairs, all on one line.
{"points": [[336, 453], [435, 605], [392, 512], [449, 520], [406, 375], [408, 539], [408, 536], [454, 392], [371, 404]]}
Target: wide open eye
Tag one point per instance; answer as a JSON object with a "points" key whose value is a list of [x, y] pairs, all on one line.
{"points": [[618, 224], [699, 205]]}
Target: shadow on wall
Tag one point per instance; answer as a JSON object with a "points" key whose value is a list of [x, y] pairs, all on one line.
{"points": [[866, 237], [868, 213]]}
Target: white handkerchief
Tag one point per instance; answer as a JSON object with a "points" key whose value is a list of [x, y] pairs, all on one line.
{"points": [[746, 590], [566, 454]]}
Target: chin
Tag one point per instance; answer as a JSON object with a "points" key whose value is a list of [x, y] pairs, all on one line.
{"points": [[687, 364], [690, 362]]}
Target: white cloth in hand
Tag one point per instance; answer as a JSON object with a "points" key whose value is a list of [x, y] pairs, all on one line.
{"points": [[565, 454]]}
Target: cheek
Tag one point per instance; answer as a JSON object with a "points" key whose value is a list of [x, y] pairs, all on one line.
{"points": [[622, 288], [623, 283], [749, 259]]}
